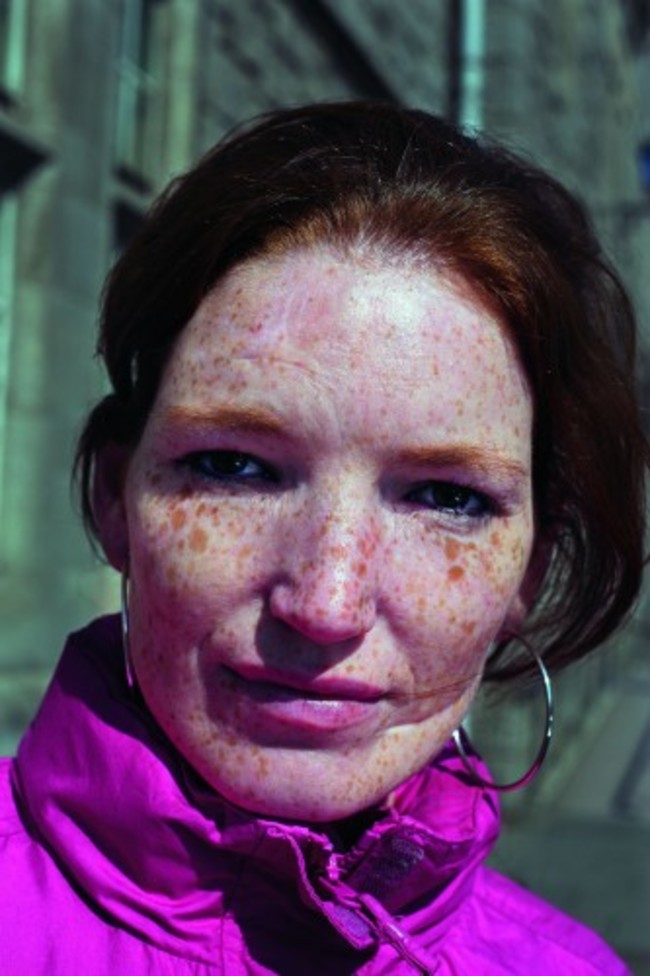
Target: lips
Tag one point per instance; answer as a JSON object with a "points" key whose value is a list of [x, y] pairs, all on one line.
{"points": [[321, 687], [322, 703]]}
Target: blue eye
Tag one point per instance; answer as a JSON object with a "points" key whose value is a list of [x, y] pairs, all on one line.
{"points": [[452, 499], [229, 466]]}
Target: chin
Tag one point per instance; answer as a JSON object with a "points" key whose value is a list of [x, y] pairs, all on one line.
{"points": [[315, 785], [302, 808], [309, 797]]}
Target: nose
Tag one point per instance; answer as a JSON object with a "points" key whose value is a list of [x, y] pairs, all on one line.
{"points": [[328, 592]]}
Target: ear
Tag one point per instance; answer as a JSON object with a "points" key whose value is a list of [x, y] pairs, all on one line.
{"points": [[530, 587], [109, 506]]}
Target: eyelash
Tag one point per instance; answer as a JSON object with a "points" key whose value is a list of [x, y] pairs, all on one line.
{"points": [[206, 464], [454, 500]]}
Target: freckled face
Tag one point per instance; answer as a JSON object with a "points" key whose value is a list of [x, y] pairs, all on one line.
{"points": [[328, 520]]}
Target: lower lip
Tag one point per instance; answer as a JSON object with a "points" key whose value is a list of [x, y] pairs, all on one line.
{"points": [[302, 710]]}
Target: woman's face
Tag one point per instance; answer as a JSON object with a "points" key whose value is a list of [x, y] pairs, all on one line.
{"points": [[328, 519]]}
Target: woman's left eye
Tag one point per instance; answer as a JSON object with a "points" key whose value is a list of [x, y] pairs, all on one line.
{"points": [[452, 499], [229, 466]]}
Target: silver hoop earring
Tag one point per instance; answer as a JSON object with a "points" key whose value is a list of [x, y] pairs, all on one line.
{"points": [[124, 616], [461, 739]]}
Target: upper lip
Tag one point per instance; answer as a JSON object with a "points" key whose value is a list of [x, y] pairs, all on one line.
{"points": [[322, 686]]}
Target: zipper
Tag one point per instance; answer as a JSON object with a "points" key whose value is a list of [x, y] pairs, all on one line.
{"points": [[382, 924], [388, 931]]}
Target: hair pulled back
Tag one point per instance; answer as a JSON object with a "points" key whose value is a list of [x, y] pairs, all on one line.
{"points": [[399, 181]]}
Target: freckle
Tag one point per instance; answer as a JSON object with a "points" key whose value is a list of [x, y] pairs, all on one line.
{"points": [[455, 573], [178, 518], [452, 548], [198, 540], [367, 547], [495, 539]]}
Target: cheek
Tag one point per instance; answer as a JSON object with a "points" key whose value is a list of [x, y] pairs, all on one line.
{"points": [[456, 593], [188, 552]]}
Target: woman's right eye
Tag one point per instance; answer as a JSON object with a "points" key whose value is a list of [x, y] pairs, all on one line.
{"points": [[229, 466]]}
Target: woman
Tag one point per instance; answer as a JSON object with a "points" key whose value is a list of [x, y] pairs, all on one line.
{"points": [[371, 439]]}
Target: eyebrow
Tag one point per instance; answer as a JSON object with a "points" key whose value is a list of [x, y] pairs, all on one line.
{"points": [[252, 420], [256, 420], [482, 460]]}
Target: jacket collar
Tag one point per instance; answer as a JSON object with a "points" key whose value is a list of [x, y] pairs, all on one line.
{"points": [[151, 845]]}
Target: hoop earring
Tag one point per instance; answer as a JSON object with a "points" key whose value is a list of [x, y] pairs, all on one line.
{"points": [[461, 739], [124, 617]]}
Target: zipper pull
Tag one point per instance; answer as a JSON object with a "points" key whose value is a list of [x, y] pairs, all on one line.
{"points": [[388, 930]]}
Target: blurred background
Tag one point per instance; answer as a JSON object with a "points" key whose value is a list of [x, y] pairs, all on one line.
{"points": [[101, 102]]}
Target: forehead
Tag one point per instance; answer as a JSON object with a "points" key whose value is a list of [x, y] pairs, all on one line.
{"points": [[311, 323], [317, 301]]}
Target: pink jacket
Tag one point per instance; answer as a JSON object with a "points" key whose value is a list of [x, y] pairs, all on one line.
{"points": [[115, 859]]}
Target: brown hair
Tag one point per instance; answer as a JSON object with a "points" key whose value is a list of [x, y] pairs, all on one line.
{"points": [[364, 174]]}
